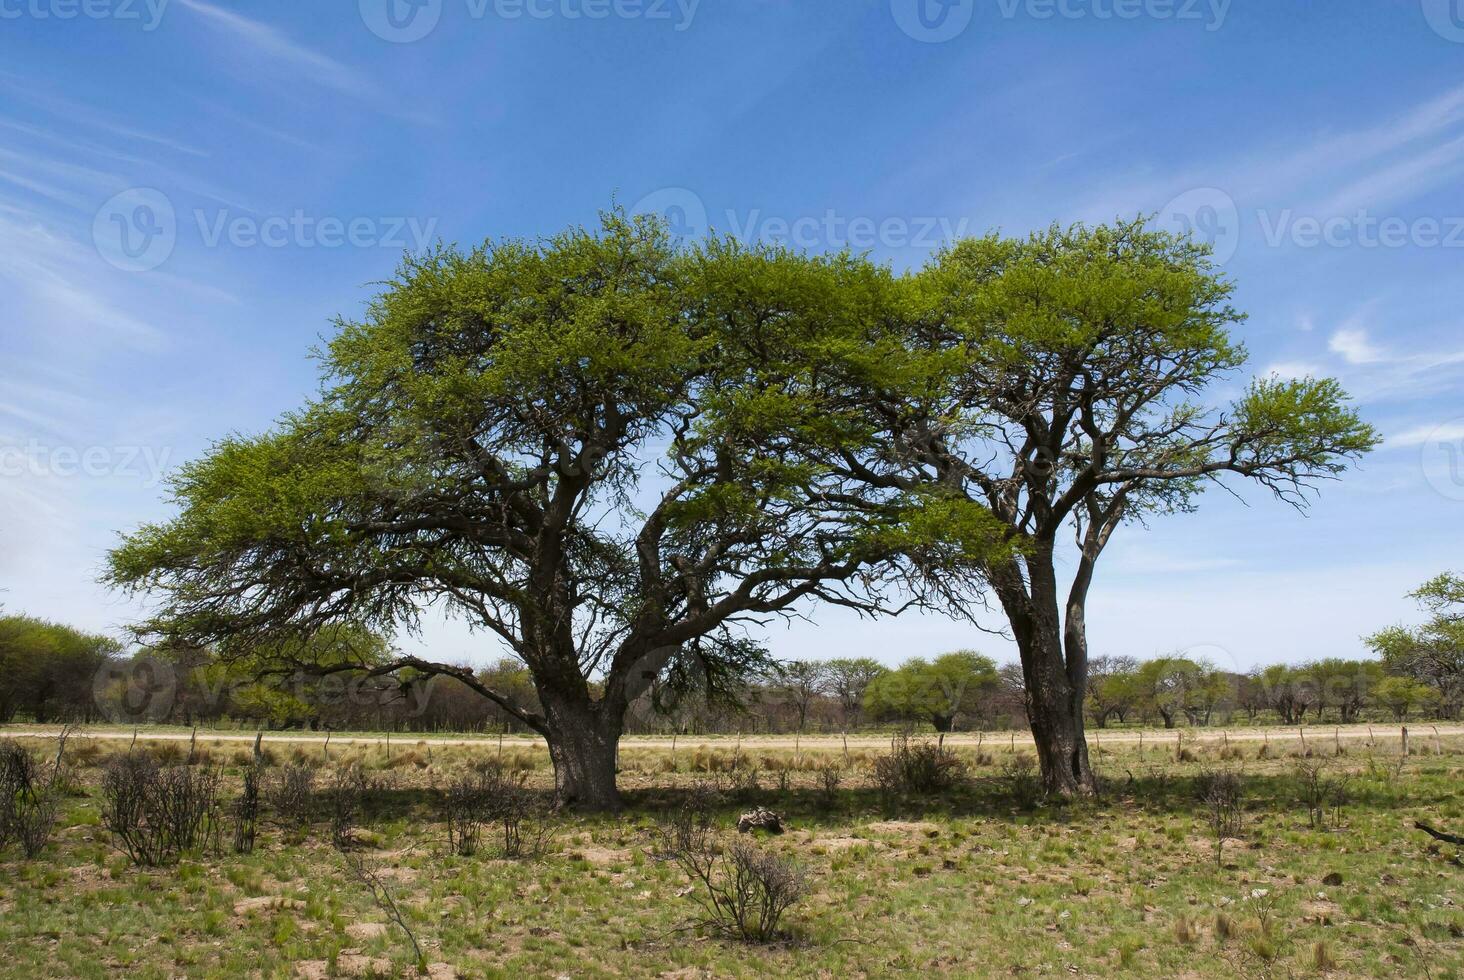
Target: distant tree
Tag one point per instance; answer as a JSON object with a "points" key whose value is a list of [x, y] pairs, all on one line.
{"points": [[1251, 695], [801, 682], [1401, 695], [48, 670], [1289, 692], [1346, 686], [848, 679], [1175, 687], [936, 691], [1431, 654], [1113, 688]]}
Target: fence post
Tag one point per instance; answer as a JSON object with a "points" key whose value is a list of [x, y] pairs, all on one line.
{"points": [[1405, 740]]}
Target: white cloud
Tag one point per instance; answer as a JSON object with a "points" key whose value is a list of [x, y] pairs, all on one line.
{"points": [[1354, 347]]}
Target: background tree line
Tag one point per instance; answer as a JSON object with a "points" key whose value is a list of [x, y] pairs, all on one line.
{"points": [[51, 672]]}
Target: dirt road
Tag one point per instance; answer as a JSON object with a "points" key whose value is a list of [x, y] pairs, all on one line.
{"points": [[1156, 736]]}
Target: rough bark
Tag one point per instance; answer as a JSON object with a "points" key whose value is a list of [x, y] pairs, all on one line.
{"points": [[583, 740], [1054, 656]]}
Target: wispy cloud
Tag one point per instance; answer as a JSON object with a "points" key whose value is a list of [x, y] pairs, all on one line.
{"points": [[272, 43], [1421, 434], [1326, 173]]}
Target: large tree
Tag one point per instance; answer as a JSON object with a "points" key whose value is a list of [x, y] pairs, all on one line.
{"points": [[1063, 382], [564, 443]]}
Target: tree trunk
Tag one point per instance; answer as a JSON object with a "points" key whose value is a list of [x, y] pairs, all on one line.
{"points": [[1055, 710], [1054, 653], [582, 745]]}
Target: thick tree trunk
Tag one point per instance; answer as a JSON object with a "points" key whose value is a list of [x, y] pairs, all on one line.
{"points": [[583, 740], [1055, 711], [1055, 671]]}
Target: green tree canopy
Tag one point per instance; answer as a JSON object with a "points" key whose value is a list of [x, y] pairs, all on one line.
{"points": [[585, 447], [937, 691]]}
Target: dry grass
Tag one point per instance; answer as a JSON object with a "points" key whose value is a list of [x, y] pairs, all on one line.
{"points": [[969, 882]]}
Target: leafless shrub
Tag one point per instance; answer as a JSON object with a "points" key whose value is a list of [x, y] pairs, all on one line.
{"points": [[29, 800], [346, 795], [830, 776], [1223, 794], [522, 817], [157, 813], [291, 794], [492, 799], [246, 810], [466, 808], [35, 818], [1322, 794], [914, 766], [689, 826], [743, 890]]}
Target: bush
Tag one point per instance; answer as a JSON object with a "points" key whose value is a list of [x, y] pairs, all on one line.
{"points": [[465, 805], [1022, 781], [29, 802], [490, 797], [689, 827], [157, 813], [292, 795], [917, 767], [744, 890], [246, 810]]}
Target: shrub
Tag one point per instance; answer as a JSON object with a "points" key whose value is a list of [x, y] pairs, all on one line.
{"points": [[1223, 795], [830, 776], [689, 827], [917, 767], [292, 794], [156, 813], [743, 890], [246, 810], [1321, 794], [29, 802], [465, 807], [1022, 781]]}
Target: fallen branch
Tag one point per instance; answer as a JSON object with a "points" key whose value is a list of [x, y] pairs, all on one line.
{"points": [[1438, 834]]}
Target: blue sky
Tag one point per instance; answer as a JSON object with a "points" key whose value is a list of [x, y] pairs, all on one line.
{"points": [[191, 190]]}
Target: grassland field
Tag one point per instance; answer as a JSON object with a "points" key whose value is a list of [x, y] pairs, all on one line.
{"points": [[983, 879]]}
